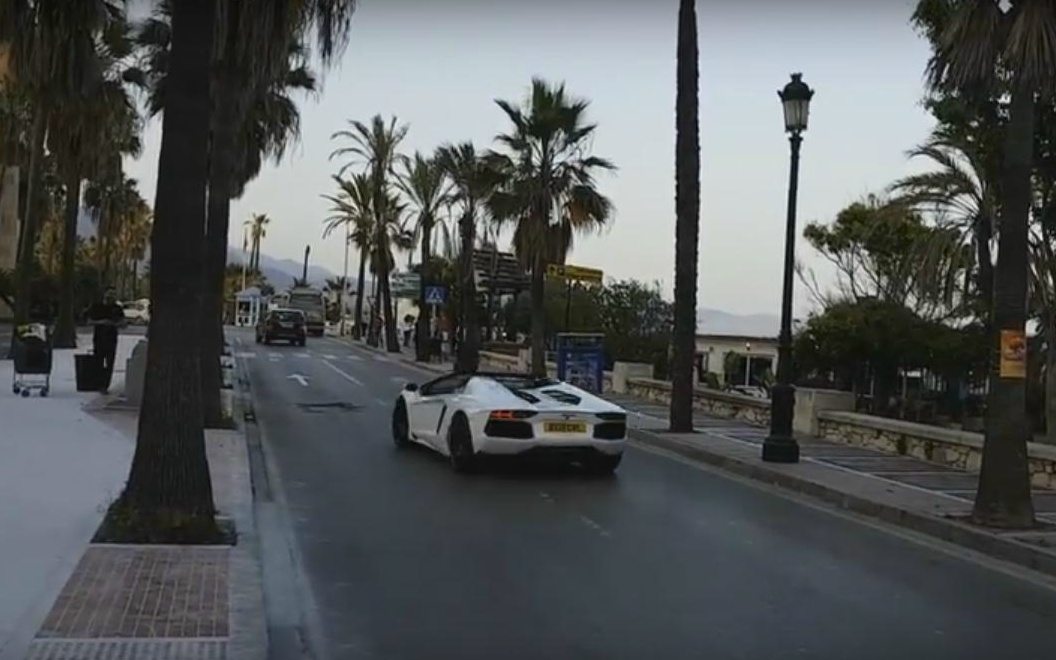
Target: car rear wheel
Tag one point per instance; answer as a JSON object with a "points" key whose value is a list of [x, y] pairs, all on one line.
{"points": [[401, 434], [603, 464], [460, 446]]}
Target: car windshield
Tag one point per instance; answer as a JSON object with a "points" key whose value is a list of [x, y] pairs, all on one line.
{"points": [[287, 316], [522, 382]]}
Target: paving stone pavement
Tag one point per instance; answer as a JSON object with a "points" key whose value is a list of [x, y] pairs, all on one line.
{"points": [[136, 602]]}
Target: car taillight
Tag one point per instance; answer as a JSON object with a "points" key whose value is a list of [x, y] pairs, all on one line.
{"points": [[511, 414]]}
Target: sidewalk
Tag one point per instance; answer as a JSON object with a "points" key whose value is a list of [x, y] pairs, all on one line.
{"points": [[74, 600], [60, 469]]}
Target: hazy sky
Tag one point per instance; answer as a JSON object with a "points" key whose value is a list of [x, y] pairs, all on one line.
{"points": [[440, 65]]}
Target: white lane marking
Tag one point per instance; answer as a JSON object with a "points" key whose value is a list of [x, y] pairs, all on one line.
{"points": [[400, 380], [299, 378], [593, 524], [354, 358], [274, 357], [381, 358], [347, 376], [245, 355], [381, 402], [302, 355], [328, 357]]}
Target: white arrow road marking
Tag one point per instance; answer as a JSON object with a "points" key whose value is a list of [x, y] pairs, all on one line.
{"points": [[299, 378], [347, 376]]}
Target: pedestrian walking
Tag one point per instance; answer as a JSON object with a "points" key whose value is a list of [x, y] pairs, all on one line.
{"points": [[106, 317]]}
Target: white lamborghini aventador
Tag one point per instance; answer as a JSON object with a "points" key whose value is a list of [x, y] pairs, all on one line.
{"points": [[470, 416]]}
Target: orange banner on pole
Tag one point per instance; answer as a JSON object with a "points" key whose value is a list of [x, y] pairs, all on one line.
{"points": [[1013, 354]]}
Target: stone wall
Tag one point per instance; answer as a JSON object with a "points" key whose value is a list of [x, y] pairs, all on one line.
{"points": [[710, 402], [949, 447]]}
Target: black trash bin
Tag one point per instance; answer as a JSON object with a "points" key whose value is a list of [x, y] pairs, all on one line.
{"points": [[89, 373]]}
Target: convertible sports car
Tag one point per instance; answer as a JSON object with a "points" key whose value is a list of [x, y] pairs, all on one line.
{"points": [[467, 417]]}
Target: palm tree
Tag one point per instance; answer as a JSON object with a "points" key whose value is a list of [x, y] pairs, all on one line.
{"points": [[474, 179], [258, 230], [169, 476], [52, 54], [687, 221], [352, 208], [375, 147], [963, 193], [549, 193], [987, 51], [90, 134], [426, 187]]}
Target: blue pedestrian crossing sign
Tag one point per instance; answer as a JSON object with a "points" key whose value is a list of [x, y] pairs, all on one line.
{"points": [[435, 295]]}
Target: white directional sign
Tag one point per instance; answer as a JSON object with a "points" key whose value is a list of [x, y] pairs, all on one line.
{"points": [[299, 378]]}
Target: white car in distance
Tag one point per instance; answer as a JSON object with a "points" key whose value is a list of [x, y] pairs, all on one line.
{"points": [[468, 417]]}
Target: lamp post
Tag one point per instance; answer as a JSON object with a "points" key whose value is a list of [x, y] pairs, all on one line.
{"points": [[780, 445]]}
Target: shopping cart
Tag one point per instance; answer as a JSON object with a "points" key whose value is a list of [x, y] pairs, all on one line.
{"points": [[33, 359]]}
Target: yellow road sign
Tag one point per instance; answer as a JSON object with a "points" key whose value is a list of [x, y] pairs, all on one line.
{"points": [[577, 273]]}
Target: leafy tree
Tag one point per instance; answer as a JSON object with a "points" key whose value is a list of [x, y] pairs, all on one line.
{"points": [[351, 210], [884, 250]]}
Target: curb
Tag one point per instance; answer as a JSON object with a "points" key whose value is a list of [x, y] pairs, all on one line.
{"points": [[944, 529]]}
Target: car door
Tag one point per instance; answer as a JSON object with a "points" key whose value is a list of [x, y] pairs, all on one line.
{"points": [[430, 407]]}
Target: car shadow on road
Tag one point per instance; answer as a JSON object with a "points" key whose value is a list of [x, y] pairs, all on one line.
{"points": [[518, 468]]}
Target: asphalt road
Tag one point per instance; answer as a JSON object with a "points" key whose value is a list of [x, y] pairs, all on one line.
{"points": [[407, 560]]}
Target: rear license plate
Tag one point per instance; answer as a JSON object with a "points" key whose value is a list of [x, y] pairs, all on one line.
{"points": [[565, 427]]}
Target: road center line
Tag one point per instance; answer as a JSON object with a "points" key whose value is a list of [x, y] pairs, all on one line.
{"points": [[349, 377]]}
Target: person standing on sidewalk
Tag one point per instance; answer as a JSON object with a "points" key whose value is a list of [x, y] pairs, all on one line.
{"points": [[106, 317]]}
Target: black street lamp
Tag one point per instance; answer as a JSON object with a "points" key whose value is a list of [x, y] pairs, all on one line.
{"points": [[781, 446]]}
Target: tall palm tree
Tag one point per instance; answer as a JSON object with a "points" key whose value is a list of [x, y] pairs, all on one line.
{"points": [[169, 478], [474, 179], [258, 231], [550, 193], [376, 148], [687, 220], [426, 186], [89, 137], [352, 208], [169, 473], [52, 54], [986, 50], [963, 191]]}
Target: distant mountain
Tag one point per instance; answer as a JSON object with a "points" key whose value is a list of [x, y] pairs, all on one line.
{"points": [[718, 322], [280, 273]]}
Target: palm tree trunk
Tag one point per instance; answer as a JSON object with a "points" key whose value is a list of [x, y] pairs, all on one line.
{"points": [[392, 342], [1003, 498], [169, 491], [360, 290], [469, 348], [28, 234], [687, 223], [217, 226], [422, 344], [537, 297], [1050, 382], [66, 329]]}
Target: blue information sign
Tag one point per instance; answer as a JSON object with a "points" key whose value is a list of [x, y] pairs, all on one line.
{"points": [[581, 360]]}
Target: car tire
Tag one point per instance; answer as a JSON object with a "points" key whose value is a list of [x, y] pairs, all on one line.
{"points": [[257, 337], [603, 465], [302, 342], [460, 446], [400, 426], [267, 340]]}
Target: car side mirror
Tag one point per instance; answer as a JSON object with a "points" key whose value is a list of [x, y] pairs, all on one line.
{"points": [[411, 387]]}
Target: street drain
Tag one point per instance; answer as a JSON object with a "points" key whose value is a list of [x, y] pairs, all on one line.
{"points": [[328, 406]]}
